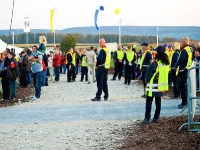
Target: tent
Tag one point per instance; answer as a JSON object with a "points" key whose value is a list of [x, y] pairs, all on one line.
{"points": [[4, 45]]}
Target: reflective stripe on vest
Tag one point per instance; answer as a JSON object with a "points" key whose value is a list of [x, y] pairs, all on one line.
{"points": [[84, 64], [130, 56], [74, 59], [162, 85], [189, 52], [120, 54], [108, 56], [66, 59], [142, 59]]}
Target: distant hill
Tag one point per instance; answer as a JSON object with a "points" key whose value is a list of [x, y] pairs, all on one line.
{"points": [[178, 32]]}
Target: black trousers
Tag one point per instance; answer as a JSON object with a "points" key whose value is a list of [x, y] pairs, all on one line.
{"points": [[176, 83], [118, 70], [24, 78], [69, 73], [84, 71], [183, 86], [102, 78], [73, 73], [5, 86], [128, 73], [143, 77], [149, 106], [133, 72]]}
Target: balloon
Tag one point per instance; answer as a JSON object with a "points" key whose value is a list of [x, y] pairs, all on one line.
{"points": [[101, 8], [117, 11]]}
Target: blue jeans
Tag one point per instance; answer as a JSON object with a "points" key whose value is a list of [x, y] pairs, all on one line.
{"points": [[29, 77], [13, 88], [64, 68], [56, 72], [44, 72], [37, 83], [77, 68]]}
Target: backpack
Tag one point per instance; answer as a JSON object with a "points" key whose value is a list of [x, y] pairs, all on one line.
{"points": [[11, 74]]}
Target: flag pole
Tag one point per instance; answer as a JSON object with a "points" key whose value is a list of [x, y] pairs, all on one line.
{"points": [[157, 36], [54, 26]]}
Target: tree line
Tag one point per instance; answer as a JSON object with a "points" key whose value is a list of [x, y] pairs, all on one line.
{"points": [[81, 38]]}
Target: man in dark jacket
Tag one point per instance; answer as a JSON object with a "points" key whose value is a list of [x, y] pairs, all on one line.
{"points": [[183, 64], [69, 65], [12, 64], [25, 66]]}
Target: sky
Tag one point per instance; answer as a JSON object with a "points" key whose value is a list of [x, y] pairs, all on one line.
{"points": [[80, 13]]}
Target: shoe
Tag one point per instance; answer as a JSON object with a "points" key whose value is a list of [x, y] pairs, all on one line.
{"points": [[13, 98], [128, 83], [181, 106], [125, 83], [155, 120], [35, 98], [94, 81], [144, 96], [113, 79], [96, 99], [146, 121], [88, 82], [105, 99], [119, 79], [81, 80]]}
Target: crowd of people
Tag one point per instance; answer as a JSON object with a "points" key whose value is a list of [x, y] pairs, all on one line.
{"points": [[157, 68]]}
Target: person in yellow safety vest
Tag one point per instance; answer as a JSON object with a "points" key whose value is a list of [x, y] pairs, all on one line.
{"points": [[102, 66], [184, 62], [74, 66], [69, 65], [174, 72], [129, 58], [156, 81], [145, 62], [84, 69], [169, 53], [118, 57]]}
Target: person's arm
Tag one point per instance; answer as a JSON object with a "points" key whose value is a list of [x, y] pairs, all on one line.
{"points": [[25, 61], [150, 71], [149, 57], [95, 58], [181, 58]]}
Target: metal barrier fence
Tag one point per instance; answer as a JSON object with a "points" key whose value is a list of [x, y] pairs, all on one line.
{"points": [[192, 98]]}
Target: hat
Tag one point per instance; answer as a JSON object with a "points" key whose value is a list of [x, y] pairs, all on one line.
{"points": [[160, 49], [144, 44], [165, 45], [170, 46]]}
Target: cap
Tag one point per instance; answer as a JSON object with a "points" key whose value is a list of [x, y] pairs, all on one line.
{"points": [[165, 45], [160, 49], [170, 46], [144, 44]]}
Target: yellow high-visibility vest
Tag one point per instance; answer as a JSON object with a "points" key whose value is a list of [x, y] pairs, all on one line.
{"points": [[189, 61], [74, 59], [108, 56], [84, 64], [162, 85], [120, 54], [130, 55], [143, 57]]}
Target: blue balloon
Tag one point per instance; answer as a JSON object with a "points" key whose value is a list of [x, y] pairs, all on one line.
{"points": [[101, 8]]}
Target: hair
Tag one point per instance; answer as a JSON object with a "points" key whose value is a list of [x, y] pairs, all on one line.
{"points": [[162, 57], [11, 53], [130, 47], [42, 39], [35, 46], [177, 46], [7, 50]]}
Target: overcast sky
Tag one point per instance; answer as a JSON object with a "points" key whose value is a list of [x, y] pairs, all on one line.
{"points": [[79, 13]]}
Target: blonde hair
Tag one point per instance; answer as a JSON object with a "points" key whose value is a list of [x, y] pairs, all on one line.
{"points": [[42, 39], [177, 46]]}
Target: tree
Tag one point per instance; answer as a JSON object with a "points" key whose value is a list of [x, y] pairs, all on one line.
{"points": [[68, 42]]}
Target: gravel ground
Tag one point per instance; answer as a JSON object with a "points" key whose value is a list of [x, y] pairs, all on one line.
{"points": [[72, 134]]}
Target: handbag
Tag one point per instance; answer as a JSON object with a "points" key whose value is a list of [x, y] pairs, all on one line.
{"points": [[11, 74]]}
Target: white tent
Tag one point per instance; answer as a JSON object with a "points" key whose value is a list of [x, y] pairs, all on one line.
{"points": [[4, 45]]}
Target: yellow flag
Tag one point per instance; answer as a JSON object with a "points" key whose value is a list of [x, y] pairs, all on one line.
{"points": [[51, 20]]}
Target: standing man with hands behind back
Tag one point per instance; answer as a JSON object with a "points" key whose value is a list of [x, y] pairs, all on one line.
{"points": [[103, 63]]}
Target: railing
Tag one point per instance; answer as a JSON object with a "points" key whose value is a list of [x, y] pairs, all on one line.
{"points": [[192, 99]]}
